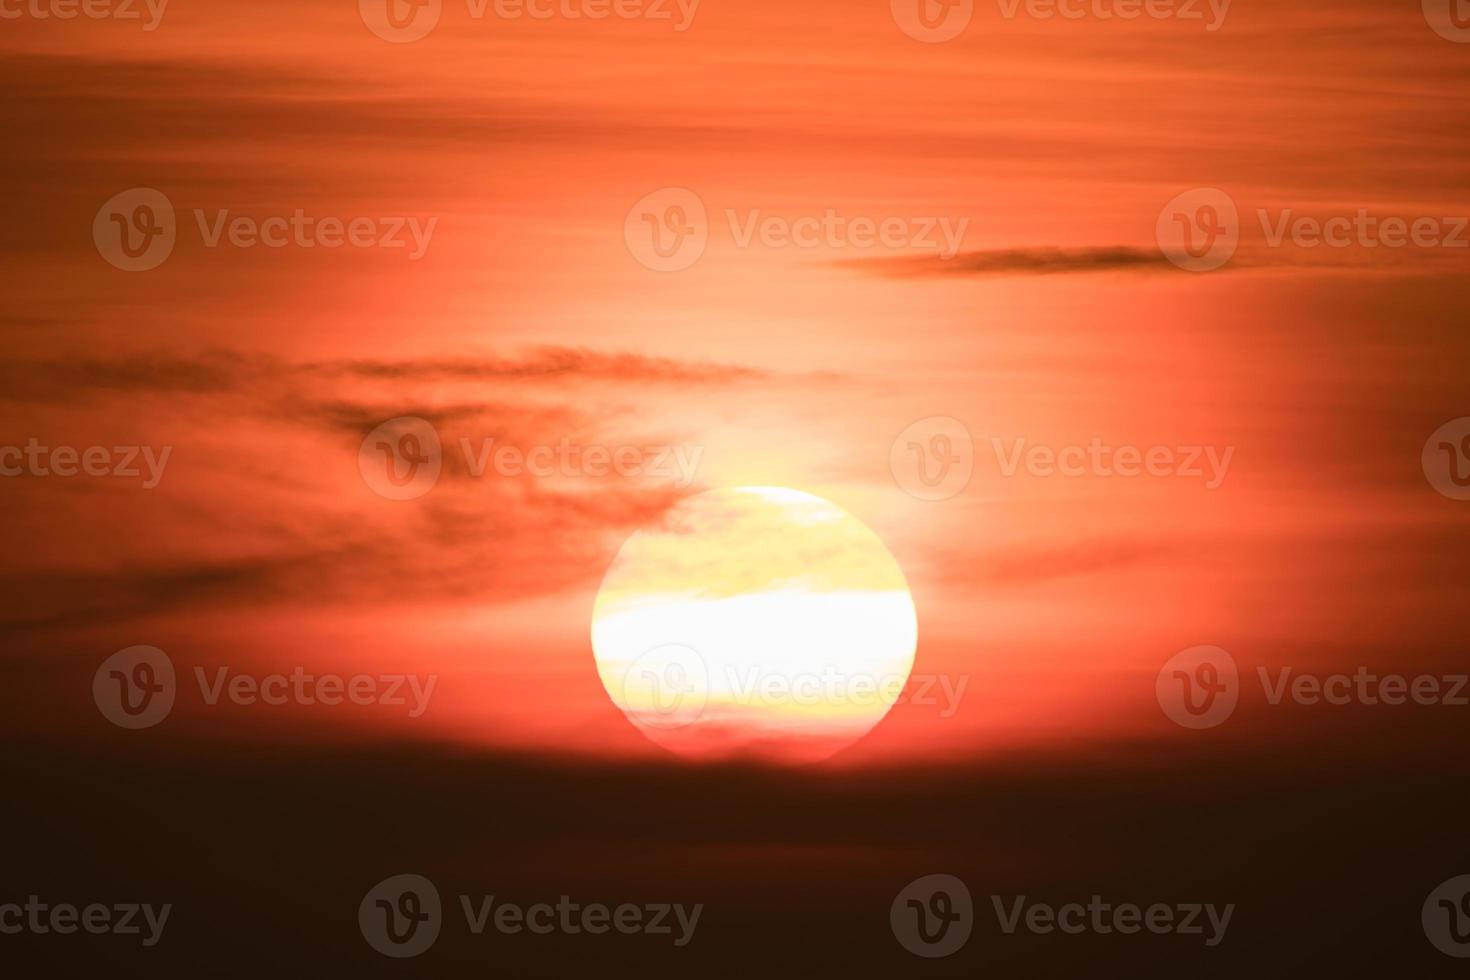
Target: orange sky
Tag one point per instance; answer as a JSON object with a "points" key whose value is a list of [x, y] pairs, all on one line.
{"points": [[529, 319]]}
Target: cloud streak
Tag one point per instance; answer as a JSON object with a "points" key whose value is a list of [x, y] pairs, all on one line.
{"points": [[1015, 262]]}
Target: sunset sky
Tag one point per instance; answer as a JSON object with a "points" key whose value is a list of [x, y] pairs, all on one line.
{"points": [[529, 318]]}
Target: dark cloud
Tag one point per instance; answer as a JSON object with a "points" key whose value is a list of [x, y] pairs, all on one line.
{"points": [[262, 502], [1015, 262], [64, 380]]}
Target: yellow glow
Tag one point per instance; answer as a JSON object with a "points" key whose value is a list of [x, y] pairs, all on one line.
{"points": [[755, 621]]}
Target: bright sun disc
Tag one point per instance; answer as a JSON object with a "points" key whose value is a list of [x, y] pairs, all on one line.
{"points": [[758, 622]]}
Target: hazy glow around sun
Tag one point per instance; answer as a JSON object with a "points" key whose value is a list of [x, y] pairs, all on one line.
{"points": [[755, 621]]}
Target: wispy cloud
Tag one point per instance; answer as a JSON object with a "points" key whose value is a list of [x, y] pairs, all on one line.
{"points": [[57, 380], [1015, 262]]}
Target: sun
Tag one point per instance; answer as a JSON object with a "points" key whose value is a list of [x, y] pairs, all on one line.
{"points": [[755, 622]]}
